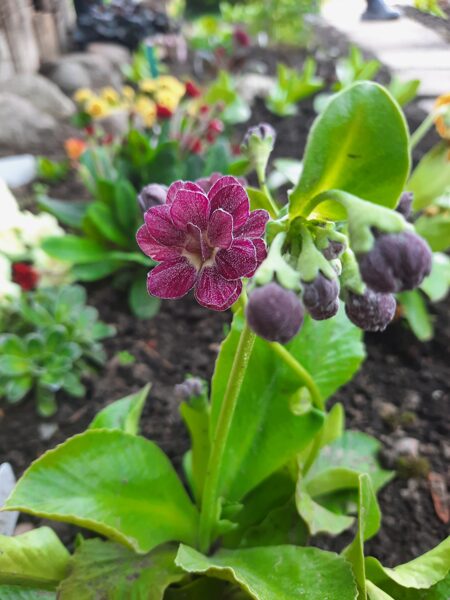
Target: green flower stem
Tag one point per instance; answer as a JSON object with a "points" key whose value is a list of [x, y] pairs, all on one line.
{"points": [[271, 205], [426, 124], [301, 372], [210, 498]]}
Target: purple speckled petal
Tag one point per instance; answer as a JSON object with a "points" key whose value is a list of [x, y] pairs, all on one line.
{"points": [[215, 292], [220, 229], [154, 249], [195, 243], [255, 225], [181, 185], [238, 261], [227, 193], [161, 227], [190, 207], [261, 253], [172, 278]]}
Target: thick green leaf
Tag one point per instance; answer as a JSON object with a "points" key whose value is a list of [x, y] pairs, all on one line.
{"points": [[420, 573], [331, 351], [318, 518], [265, 433], [361, 133], [67, 212], [354, 452], [119, 485], [95, 270], [436, 230], [36, 558], [126, 207], [142, 304], [196, 417], [103, 219], [431, 177], [15, 592], [12, 365], [369, 519], [416, 313], [106, 570], [437, 284], [281, 572], [75, 249], [393, 591], [123, 414]]}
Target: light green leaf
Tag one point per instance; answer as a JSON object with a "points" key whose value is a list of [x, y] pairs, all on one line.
{"points": [[119, 485], [361, 133], [318, 518], [416, 313], [126, 207], [196, 417], [331, 351], [123, 414], [281, 572], [420, 573], [142, 304], [431, 177], [404, 91], [436, 230], [369, 518], [106, 570], [437, 284], [101, 216], [374, 592], [75, 249], [15, 592], [354, 452], [35, 558], [95, 270], [69, 213], [12, 365], [265, 433]]}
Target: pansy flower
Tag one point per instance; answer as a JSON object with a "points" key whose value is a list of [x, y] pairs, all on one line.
{"points": [[204, 241]]}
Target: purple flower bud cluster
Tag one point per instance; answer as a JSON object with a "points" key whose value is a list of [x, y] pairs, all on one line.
{"points": [[321, 297], [371, 311], [190, 388]]}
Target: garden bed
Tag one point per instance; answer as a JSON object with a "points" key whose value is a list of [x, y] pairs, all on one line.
{"points": [[401, 391]]}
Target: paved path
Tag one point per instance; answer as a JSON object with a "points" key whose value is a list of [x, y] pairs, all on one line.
{"points": [[406, 47]]}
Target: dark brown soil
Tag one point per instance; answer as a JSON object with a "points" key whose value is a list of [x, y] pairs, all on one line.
{"points": [[402, 390]]}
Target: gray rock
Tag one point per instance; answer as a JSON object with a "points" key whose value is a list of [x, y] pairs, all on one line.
{"points": [[100, 70], [8, 520], [255, 86], [69, 77], [22, 124], [407, 446], [18, 170], [44, 94], [116, 54], [47, 430]]}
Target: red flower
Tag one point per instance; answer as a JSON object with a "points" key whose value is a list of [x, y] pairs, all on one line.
{"points": [[241, 37], [192, 90], [204, 109], [25, 275], [196, 146], [163, 112]]}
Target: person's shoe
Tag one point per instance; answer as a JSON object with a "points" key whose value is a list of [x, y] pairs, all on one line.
{"points": [[378, 11]]}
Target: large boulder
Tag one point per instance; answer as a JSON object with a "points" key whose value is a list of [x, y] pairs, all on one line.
{"points": [[23, 126], [116, 54], [42, 93], [69, 77]]}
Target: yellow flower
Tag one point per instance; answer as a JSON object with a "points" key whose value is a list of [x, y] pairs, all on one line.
{"points": [[83, 95], [167, 99], [128, 93], [442, 121], [148, 86], [97, 108], [110, 95], [146, 109], [171, 84]]}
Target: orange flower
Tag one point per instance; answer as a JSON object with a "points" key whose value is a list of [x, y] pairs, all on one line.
{"points": [[442, 121], [74, 148]]}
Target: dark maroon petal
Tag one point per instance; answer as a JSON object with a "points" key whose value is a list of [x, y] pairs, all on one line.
{"points": [[181, 185], [255, 225], [232, 198], [195, 244], [261, 253], [161, 227], [154, 249], [190, 207], [213, 291], [238, 261], [220, 229], [172, 279]]}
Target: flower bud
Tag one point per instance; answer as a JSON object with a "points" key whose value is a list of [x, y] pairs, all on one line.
{"points": [[258, 143], [370, 311], [152, 195], [190, 388], [321, 297], [333, 250], [404, 206], [397, 262], [274, 313]]}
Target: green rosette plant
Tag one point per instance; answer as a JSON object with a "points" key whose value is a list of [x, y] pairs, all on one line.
{"points": [[269, 465]]}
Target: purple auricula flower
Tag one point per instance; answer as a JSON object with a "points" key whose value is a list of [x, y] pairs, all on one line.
{"points": [[206, 242]]}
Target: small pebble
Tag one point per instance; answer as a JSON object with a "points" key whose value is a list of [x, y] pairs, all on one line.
{"points": [[47, 430]]}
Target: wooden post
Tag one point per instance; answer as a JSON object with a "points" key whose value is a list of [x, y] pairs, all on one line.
{"points": [[16, 27]]}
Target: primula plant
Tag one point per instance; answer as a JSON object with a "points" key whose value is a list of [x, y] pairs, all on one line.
{"points": [[53, 339], [269, 466]]}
